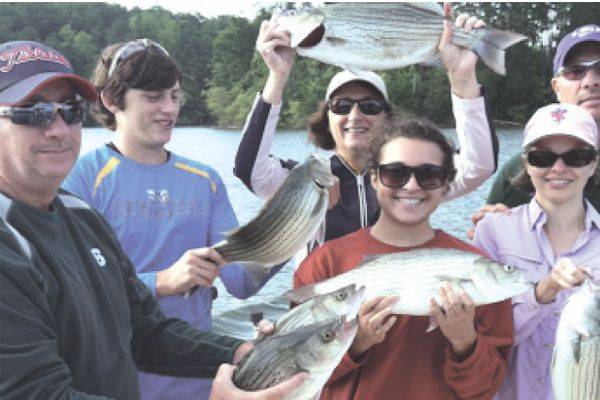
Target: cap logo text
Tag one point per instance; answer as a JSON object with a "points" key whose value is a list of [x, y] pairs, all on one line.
{"points": [[23, 54], [558, 115]]}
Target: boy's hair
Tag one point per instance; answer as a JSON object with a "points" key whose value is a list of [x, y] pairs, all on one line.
{"points": [[150, 69]]}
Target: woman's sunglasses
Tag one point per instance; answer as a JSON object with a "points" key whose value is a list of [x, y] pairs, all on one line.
{"points": [[576, 72], [42, 113], [131, 48], [573, 158], [396, 175], [343, 106]]}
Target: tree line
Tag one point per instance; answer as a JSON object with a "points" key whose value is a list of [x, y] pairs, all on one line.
{"points": [[222, 71]]}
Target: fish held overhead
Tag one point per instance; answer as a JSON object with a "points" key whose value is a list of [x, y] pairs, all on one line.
{"points": [[378, 36]]}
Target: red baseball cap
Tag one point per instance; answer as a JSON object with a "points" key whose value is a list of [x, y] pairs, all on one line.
{"points": [[26, 67]]}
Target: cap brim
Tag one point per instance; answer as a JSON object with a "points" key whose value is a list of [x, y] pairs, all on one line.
{"points": [[26, 88]]}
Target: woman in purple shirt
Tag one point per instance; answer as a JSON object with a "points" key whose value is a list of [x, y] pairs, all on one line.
{"points": [[556, 238]]}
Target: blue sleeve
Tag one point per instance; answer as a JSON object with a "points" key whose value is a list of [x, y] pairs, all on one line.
{"points": [[79, 184], [149, 279], [237, 282]]}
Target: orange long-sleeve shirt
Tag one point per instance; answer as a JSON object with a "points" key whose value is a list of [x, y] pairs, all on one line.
{"points": [[410, 363]]}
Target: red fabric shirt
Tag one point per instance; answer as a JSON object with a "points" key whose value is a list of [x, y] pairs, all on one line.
{"points": [[410, 363]]}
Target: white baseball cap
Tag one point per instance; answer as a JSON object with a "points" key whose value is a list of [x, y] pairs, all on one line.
{"points": [[345, 76], [562, 119]]}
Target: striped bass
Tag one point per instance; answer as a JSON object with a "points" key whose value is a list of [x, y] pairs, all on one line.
{"points": [[576, 358], [376, 36], [416, 276], [345, 301], [316, 348], [287, 221]]}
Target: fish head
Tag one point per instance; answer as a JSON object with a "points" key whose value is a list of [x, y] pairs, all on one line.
{"points": [[499, 281], [328, 340], [305, 25], [320, 170], [344, 301]]}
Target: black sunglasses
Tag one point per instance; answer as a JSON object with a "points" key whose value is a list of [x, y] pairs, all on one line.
{"points": [[343, 106], [396, 175], [573, 158], [42, 113], [576, 72]]}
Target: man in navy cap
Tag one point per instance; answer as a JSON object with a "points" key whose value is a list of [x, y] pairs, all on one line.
{"points": [[577, 81], [75, 321]]}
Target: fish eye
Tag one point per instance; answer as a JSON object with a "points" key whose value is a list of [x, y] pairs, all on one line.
{"points": [[509, 268], [342, 296], [327, 336]]}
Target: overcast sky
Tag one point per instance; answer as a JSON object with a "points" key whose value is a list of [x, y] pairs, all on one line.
{"points": [[208, 8]]}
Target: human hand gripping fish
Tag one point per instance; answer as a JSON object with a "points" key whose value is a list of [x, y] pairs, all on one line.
{"points": [[196, 267]]}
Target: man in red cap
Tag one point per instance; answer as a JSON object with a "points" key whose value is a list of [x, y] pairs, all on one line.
{"points": [[75, 320]]}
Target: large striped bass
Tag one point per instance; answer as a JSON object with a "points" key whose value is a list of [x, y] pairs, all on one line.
{"points": [[287, 221], [576, 357], [375, 36], [316, 348], [417, 275]]}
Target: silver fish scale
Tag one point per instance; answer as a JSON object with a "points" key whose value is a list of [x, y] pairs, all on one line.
{"points": [[274, 235], [583, 377]]}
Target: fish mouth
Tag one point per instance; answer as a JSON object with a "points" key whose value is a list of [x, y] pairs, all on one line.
{"points": [[313, 38]]}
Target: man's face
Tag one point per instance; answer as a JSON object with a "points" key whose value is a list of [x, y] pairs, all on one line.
{"points": [[586, 91], [38, 158]]}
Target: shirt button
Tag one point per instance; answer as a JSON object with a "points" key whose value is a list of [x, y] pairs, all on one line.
{"points": [[540, 380], [548, 346]]}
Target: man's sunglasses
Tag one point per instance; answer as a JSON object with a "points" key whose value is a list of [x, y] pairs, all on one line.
{"points": [[130, 48], [573, 158], [42, 114], [576, 72], [396, 175], [343, 106]]}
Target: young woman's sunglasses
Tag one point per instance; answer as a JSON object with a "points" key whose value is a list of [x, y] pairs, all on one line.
{"points": [[573, 158], [42, 113], [343, 106], [576, 72], [131, 48], [396, 175]]}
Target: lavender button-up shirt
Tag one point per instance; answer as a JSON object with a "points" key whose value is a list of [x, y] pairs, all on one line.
{"points": [[519, 239]]}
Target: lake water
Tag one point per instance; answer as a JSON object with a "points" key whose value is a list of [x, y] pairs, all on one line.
{"points": [[217, 148]]}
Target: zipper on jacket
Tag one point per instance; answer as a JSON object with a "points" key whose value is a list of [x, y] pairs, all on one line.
{"points": [[362, 200], [362, 195]]}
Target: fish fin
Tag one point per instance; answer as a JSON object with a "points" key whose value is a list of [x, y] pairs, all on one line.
{"points": [[433, 324], [577, 349], [301, 294], [257, 272], [336, 41], [452, 279], [431, 7], [368, 258], [434, 61], [491, 45]]}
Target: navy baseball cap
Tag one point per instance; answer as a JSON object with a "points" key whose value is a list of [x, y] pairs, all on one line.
{"points": [[27, 67], [586, 33]]}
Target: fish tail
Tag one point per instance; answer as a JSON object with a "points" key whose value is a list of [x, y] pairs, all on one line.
{"points": [[301, 294], [490, 47]]}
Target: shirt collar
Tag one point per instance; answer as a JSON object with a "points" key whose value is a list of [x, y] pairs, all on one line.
{"points": [[537, 216]]}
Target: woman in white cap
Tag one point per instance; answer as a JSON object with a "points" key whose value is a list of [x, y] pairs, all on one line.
{"points": [[355, 103], [555, 237]]}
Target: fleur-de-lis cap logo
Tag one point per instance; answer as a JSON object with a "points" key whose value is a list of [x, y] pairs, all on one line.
{"points": [[558, 115]]}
